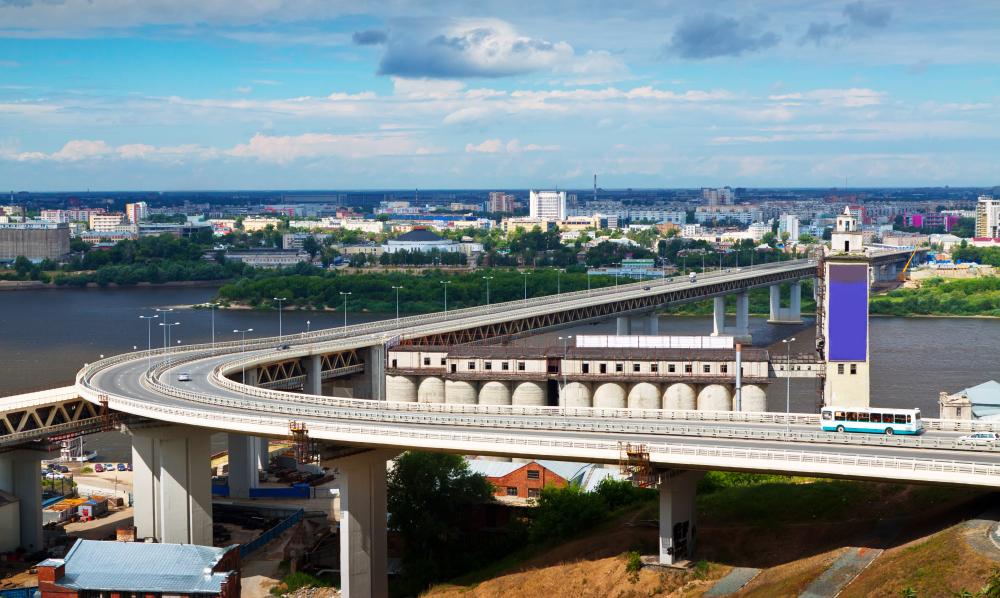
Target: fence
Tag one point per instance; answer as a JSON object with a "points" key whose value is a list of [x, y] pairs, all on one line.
{"points": [[259, 542], [19, 592]]}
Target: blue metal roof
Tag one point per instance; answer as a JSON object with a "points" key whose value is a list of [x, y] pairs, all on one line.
{"points": [[131, 566]]}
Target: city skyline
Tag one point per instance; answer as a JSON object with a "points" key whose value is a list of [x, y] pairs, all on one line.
{"points": [[128, 95]]}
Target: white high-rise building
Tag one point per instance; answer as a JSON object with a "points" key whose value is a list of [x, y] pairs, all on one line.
{"points": [[722, 196], [136, 211], [547, 205], [789, 223], [988, 217]]}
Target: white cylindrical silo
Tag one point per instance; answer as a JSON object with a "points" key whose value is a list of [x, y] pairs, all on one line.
{"points": [[494, 393], [644, 396], [529, 394], [609, 395], [430, 390], [754, 398], [460, 392], [679, 396], [401, 389], [576, 394], [715, 397]]}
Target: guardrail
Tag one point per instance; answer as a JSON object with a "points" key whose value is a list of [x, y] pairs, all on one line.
{"points": [[55, 430], [56, 395]]}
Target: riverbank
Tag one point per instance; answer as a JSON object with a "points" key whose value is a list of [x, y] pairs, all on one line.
{"points": [[37, 285]]}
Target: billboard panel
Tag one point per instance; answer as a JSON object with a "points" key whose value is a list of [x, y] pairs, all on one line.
{"points": [[847, 317]]}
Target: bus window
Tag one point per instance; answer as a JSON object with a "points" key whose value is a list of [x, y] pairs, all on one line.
{"points": [[863, 417], [827, 415], [909, 420], [852, 416], [838, 415], [886, 418], [901, 419]]}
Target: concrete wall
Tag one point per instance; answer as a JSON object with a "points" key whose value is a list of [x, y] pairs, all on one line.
{"points": [[10, 523], [34, 243]]}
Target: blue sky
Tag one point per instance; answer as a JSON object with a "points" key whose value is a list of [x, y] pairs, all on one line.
{"points": [[298, 94]]}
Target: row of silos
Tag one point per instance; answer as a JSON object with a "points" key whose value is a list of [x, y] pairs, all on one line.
{"points": [[432, 389], [607, 395]]}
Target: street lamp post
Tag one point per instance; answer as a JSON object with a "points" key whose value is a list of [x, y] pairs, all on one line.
{"points": [[525, 274], [564, 340], [308, 326], [487, 279], [212, 307], [397, 303], [445, 283], [164, 311], [344, 295], [280, 300], [559, 281], [166, 342], [243, 349], [149, 338], [788, 382]]}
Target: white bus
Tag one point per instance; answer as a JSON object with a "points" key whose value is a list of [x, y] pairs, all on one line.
{"points": [[877, 420]]}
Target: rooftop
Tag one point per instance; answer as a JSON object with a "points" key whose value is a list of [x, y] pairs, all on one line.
{"points": [[420, 235]]}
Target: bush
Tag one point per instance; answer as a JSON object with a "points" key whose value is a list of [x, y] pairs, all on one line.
{"points": [[87, 469], [620, 493], [633, 564], [562, 512], [296, 581]]}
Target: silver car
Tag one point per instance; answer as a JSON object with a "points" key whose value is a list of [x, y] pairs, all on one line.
{"points": [[980, 439]]}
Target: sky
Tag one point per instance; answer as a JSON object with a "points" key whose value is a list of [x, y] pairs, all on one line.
{"points": [[328, 94]]}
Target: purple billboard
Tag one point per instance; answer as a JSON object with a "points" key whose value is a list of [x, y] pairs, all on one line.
{"points": [[847, 317]]}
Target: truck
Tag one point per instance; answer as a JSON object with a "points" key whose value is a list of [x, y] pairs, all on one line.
{"points": [[693, 277]]}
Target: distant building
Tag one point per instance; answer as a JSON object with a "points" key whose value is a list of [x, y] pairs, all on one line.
{"points": [[500, 202], [789, 223], [136, 212], [509, 225], [988, 217], [419, 240], [738, 214], [715, 197], [259, 223], [268, 259], [105, 222], [981, 402], [94, 568], [547, 205], [36, 240]]}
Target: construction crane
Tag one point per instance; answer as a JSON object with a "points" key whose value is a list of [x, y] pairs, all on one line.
{"points": [[901, 277]]}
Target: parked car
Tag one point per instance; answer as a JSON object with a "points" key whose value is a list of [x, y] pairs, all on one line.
{"points": [[54, 475], [62, 468], [981, 439], [121, 467], [128, 467], [109, 467], [183, 377], [99, 468]]}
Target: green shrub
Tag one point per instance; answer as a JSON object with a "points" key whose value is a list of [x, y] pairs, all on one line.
{"points": [[633, 564], [562, 512]]}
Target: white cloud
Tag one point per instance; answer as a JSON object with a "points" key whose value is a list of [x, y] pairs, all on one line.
{"points": [[490, 146], [244, 89], [283, 149], [81, 149], [514, 146], [854, 97]]}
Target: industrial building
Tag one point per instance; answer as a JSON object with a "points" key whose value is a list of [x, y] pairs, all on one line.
{"points": [[980, 402], [36, 240], [547, 205], [419, 239], [93, 568]]}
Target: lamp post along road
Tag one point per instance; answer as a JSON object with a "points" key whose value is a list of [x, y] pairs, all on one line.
{"points": [[344, 295], [445, 283], [559, 281], [149, 339], [397, 302], [280, 300], [525, 274], [243, 349], [788, 381], [487, 279], [166, 339], [164, 311]]}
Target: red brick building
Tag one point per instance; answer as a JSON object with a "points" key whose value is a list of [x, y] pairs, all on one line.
{"points": [[521, 480]]}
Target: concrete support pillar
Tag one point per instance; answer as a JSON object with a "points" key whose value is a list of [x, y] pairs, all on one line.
{"points": [[654, 324], [775, 302], [371, 384], [623, 326], [250, 376], [678, 531], [719, 316], [243, 463], [20, 476], [263, 446], [743, 314], [172, 488], [314, 375], [796, 302], [363, 551]]}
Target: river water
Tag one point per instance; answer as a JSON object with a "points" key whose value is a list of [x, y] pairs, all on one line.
{"points": [[47, 335]]}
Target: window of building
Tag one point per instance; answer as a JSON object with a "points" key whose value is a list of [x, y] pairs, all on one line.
{"points": [[854, 368], [454, 368], [724, 368], [394, 363], [520, 366], [958, 412], [604, 368], [586, 368], [534, 474], [489, 365], [707, 369], [443, 360], [511, 490], [688, 368], [472, 365], [619, 367], [840, 368], [654, 367], [636, 367], [505, 366], [671, 368], [427, 360], [534, 492]]}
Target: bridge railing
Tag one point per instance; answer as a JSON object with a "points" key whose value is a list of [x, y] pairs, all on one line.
{"points": [[864, 465]]}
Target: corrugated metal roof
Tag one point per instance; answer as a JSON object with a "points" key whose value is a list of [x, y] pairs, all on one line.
{"points": [[492, 469], [985, 394], [129, 566]]}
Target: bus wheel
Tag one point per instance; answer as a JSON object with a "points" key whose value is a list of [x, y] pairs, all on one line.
{"points": [[840, 429], [888, 432]]}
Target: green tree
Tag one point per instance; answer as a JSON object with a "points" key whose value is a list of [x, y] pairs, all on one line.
{"points": [[428, 498], [311, 246], [22, 266]]}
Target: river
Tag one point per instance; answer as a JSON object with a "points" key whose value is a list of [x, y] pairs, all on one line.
{"points": [[47, 335]]}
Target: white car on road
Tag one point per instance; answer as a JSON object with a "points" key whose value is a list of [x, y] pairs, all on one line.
{"points": [[981, 439]]}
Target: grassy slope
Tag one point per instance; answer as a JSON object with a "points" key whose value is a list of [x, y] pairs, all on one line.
{"points": [[793, 530]]}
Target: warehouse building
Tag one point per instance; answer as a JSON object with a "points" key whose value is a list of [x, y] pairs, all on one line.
{"points": [[36, 240]]}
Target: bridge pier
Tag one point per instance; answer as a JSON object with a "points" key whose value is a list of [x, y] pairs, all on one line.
{"points": [[786, 315], [171, 484], [742, 329], [654, 324], [363, 549], [243, 464], [19, 475], [263, 447], [623, 326], [678, 532], [314, 375]]}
